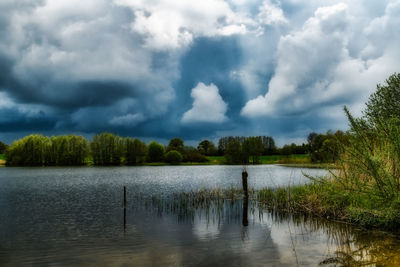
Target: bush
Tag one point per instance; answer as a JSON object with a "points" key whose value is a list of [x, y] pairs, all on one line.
{"points": [[173, 157]]}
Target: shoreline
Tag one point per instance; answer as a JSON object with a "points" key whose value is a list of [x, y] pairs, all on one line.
{"points": [[160, 164]]}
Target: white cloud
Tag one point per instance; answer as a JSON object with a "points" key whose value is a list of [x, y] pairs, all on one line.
{"points": [[315, 68], [208, 105], [172, 24], [271, 14]]}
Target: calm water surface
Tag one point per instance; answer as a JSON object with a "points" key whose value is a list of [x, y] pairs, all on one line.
{"points": [[75, 217]]}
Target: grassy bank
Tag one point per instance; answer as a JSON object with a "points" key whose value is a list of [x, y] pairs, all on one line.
{"points": [[295, 160], [268, 159], [328, 198]]}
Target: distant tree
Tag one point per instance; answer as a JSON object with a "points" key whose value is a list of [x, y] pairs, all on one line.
{"points": [[155, 152], [286, 150], [173, 157], [207, 148], [191, 154], [327, 147], [235, 153], [107, 149], [269, 146], [176, 144], [254, 147], [3, 147], [135, 151], [28, 151], [222, 145]]}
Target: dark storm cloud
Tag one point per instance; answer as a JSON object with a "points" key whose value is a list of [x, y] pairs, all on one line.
{"points": [[149, 69]]}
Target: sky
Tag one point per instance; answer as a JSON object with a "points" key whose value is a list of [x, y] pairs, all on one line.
{"points": [[158, 69]]}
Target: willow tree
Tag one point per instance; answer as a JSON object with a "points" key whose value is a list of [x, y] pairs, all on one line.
{"points": [[135, 151], [107, 149]]}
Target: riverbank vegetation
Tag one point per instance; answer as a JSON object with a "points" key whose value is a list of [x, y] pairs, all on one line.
{"points": [[365, 189], [108, 149]]}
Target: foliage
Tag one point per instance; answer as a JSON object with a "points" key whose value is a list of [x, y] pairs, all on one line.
{"points": [[253, 146], [193, 155], [155, 152], [269, 147], [265, 143], [326, 147], [366, 187], [176, 144], [107, 149], [235, 154], [173, 157], [384, 104], [38, 150], [207, 148], [135, 151], [3, 147]]}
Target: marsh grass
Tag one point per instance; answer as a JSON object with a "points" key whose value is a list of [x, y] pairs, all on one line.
{"points": [[365, 187]]}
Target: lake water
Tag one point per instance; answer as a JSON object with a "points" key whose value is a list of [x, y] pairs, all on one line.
{"points": [[75, 217]]}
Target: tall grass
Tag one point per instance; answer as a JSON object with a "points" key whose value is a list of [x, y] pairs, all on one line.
{"points": [[365, 189]]}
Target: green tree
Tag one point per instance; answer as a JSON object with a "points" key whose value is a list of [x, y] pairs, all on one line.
{"points": [[176, 144], [207, 148], [3, 147], [155, 152], [191, 154], [28, 151], [269, 145], [107, 149], [286, 151], [135, 151], [255, 148], [173, 157], [234, 154]]}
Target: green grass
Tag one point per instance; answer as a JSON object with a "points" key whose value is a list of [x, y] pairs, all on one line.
{"points": [[2, 157]]}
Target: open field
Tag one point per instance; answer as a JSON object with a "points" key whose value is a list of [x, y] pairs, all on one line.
{"points": [[2, 160]]}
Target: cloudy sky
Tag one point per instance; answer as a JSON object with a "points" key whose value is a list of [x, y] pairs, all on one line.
{"points": [[157, 69]]}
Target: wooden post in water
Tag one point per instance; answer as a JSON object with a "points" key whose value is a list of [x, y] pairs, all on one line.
{"points": [[245, 221], [124, 196], [244, 183]]}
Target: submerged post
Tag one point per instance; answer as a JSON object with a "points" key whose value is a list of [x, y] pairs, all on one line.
{"points": [[124, 208], [245, 221], [124, 196]]}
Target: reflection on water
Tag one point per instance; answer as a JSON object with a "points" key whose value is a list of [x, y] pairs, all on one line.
{"points": [[61, 216]]}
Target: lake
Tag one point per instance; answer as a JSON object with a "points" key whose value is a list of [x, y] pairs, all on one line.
{"points": [[75, 217]]}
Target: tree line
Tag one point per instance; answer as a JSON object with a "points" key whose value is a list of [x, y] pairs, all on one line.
{"points": [[108, 149], [105, 149]]}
